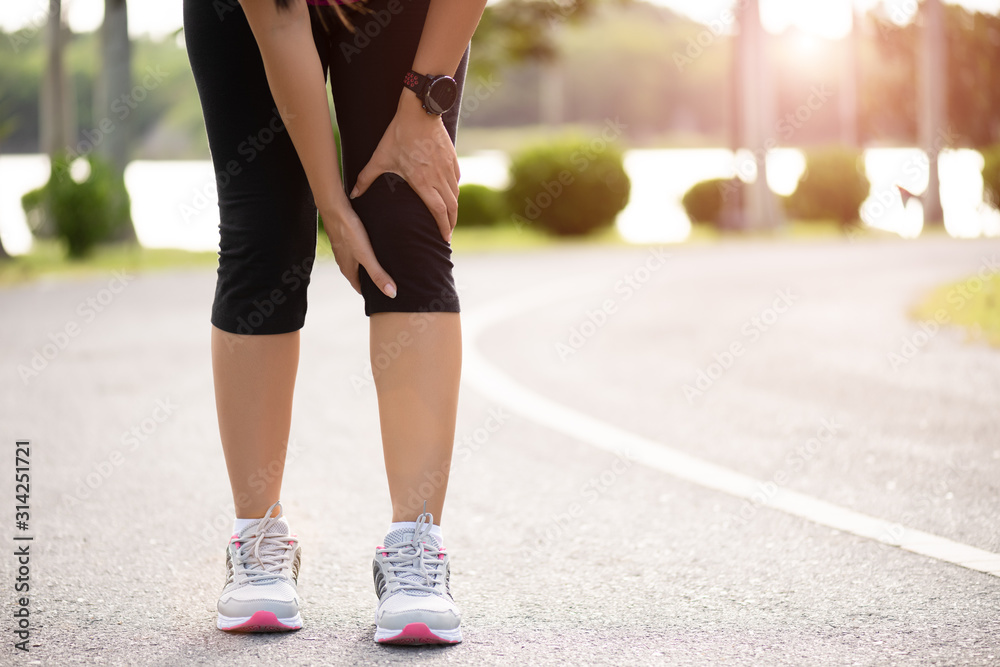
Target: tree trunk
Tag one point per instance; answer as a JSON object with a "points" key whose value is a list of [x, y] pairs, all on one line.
{"points": [[849, 75], [56, 124], [4, 255], [731, 215], [550, 92], [932, 114], [760, 206], [5, 129], [114, 80]]}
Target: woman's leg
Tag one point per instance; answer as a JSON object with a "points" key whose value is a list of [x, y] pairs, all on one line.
{"points": [[267, 224], [267, 248], [254, 382], [416, 360], [415, 338]]}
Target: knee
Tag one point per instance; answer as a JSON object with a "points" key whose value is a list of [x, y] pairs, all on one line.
{"points": [[409, 246]]}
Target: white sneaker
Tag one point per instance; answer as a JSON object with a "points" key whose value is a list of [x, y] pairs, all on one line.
{"points": [[262, 570], [412, 583]]}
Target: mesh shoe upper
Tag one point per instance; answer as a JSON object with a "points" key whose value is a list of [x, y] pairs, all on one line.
{"points": [[412, 574], [262, 569]]}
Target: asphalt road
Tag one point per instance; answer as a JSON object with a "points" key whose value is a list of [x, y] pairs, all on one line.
{"points": [[561, 552]]}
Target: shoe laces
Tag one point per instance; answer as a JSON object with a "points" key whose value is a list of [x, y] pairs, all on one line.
{"points": [[415, 565], [265, 555]]}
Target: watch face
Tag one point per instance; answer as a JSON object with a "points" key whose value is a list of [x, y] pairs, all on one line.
{"points": [[442, 94]]}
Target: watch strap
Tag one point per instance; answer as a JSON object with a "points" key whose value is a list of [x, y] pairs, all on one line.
{"points": [[416, 82]]}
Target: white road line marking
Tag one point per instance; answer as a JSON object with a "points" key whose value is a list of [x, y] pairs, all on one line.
{"points": [[488, 380]]}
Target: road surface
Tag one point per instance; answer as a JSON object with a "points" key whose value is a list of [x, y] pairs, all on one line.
{"points": [[791, 364]]}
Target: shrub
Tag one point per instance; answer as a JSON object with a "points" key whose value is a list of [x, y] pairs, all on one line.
{"points": [[833, 186], [704, 201], [480, 206], [991, 175], [83, 213], [34, 205], [569, 186]]}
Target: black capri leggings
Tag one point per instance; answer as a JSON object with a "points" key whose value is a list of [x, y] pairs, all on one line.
{"points": [[268, 221]]}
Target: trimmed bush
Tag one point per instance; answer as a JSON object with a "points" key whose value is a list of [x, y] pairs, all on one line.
{"points": [[480, 206], [82, 214], [704, 201], [991, 175], [39, 222], [569, 187], [833, 186]]}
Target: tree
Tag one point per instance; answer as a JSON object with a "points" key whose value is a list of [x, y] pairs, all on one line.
{"points": [[115, 78], [518, 31], [850, 74], [932, 107], [6, 127], [57, 103], [756, 115], [58, 123]]}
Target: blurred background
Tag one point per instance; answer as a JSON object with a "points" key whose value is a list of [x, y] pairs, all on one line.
{"points": [[715, 406], [699, 118]]}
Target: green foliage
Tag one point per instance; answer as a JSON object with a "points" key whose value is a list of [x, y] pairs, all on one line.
{"points": [[588, 56], [570, 186], [703, 202], [833, 187], [480, 206], [163, 117], [991, 175], [81, 214], [520, 30], [659, 71]]}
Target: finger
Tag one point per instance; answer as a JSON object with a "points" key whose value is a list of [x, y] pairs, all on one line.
{"points": [[354, 277], [367, 176], [360, 246], [436, 205], [451, 203], [452, 178], [353, 244], [458, 171], [348, 267], [379, 276]]}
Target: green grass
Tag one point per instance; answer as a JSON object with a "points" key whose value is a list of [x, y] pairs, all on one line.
{"points": [[47, 258], [973, 304], [509, 237]]}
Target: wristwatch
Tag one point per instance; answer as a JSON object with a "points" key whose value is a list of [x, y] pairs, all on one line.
{"points": [[438, 93]]}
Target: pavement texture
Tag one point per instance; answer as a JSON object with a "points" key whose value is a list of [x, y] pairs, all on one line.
{"points": [[561, 553]]}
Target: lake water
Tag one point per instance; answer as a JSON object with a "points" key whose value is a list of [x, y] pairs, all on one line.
{"points": [[174, 203]]}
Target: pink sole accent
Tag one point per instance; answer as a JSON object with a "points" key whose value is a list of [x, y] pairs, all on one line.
{"points": [[262, 621], [416, 633]]}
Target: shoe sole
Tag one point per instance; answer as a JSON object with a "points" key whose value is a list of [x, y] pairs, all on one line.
{"points": [[417, 633], [261, 621]]}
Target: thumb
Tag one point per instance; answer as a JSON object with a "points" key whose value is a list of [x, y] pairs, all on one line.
{"points": [[366, 177]]}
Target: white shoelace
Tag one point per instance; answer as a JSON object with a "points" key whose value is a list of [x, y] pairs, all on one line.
{"points": [[270, 551], [415, 565]]}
